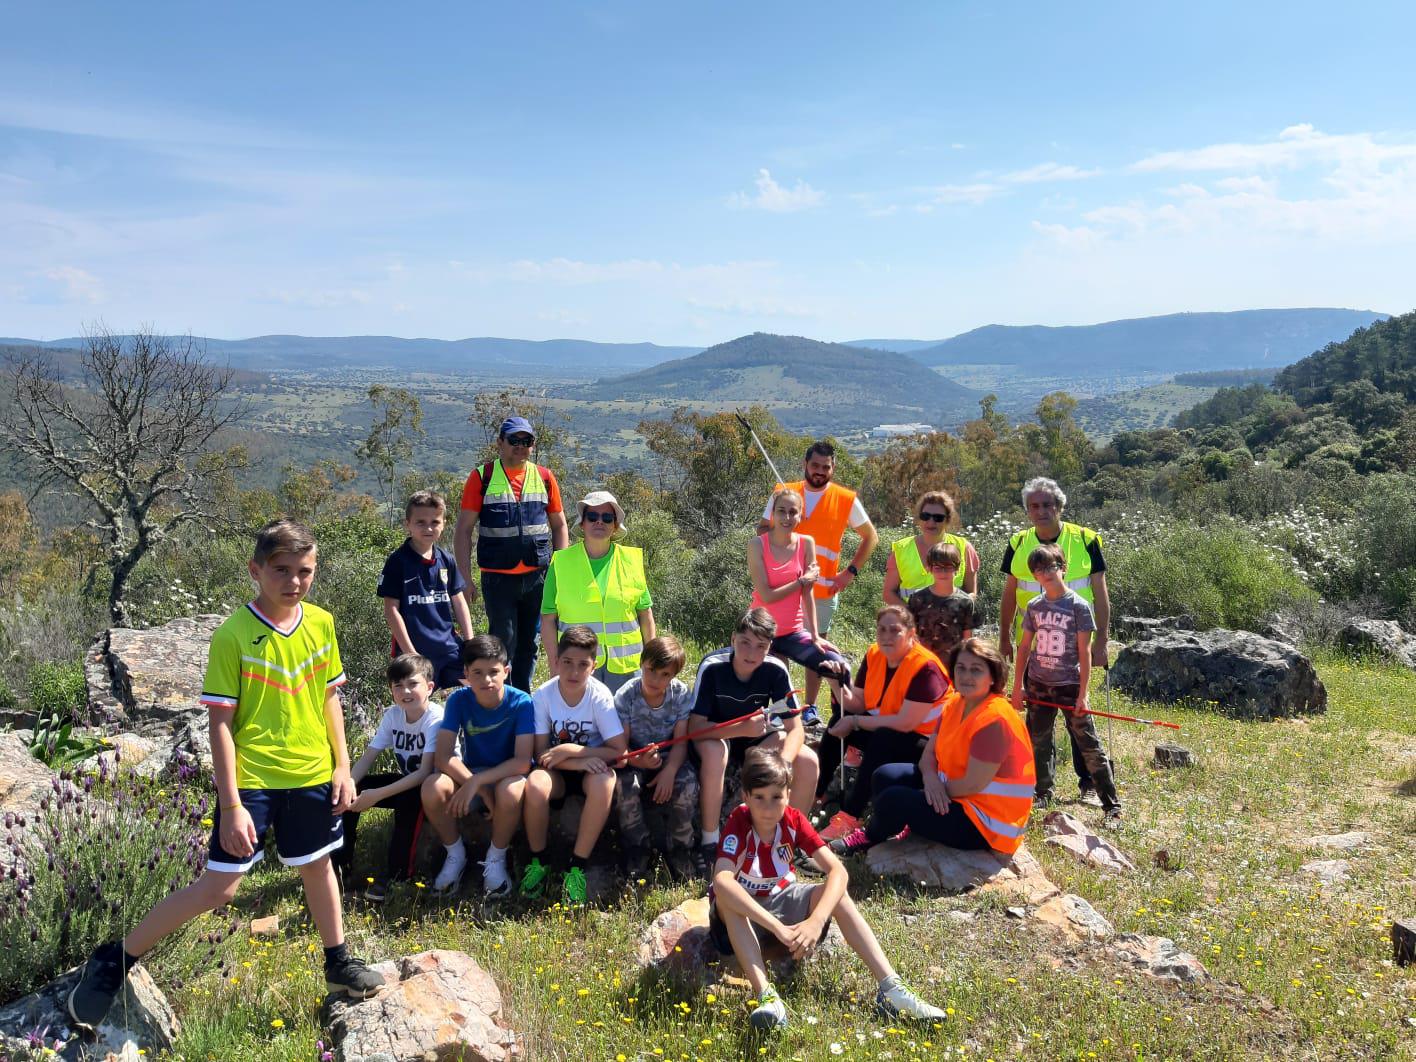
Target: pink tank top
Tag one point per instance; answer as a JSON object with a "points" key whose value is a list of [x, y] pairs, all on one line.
{"points": [[787, 611]]}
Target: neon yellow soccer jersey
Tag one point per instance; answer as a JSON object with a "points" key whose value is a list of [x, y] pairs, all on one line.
{"points": [[276, 679]]}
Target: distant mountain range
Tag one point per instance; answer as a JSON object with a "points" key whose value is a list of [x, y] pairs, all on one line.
{"points": [[810, 385]]}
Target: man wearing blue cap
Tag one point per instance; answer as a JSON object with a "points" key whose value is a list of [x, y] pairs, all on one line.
{"points": [[515, 506]]}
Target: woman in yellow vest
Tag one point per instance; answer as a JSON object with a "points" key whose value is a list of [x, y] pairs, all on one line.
{"points": [[889, 712], [600, 583], [906, 570], [973, 785]]}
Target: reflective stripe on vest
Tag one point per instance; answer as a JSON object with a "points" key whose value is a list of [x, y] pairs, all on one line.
{"points": [[614, 614], [883, 700], [1000, 809], [1073, 540], [827, 526], [911, 570], [512, 532]]}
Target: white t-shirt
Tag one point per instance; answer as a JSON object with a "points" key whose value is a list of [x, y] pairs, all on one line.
{"points": [[409, 741], [590, 723], [858, 518]]}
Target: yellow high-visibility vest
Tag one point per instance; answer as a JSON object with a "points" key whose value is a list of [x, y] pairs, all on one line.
{"points": [[614, 614]]}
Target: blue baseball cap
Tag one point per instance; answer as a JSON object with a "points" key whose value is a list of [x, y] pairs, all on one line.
{"points": [[512, 425]]}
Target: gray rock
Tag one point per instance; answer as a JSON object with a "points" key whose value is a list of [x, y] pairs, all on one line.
{"points": [[677, 944], [1342, 842], [1240, 673], [1329, 871], [1074, 917], [1381, 638], [1138, 628], [1158, 957], [954, 870], [1168, 754], [140, 1019]]}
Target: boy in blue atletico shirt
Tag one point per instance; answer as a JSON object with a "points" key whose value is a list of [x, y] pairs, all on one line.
{"points": [[498, 726], [281, 764], [422, 592]]}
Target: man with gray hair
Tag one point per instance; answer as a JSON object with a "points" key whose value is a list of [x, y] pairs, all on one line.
{"points": [[1044, 501]]}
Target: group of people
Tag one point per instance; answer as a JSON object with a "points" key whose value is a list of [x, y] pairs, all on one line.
{"points": [[939, 741]]}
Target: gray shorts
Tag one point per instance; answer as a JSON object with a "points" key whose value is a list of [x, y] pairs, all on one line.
{"points": [[826, 612], [790, 906]]}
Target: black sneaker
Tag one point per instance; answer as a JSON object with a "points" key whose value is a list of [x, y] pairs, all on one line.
{"points": [[636, 862], [704, 858], [99, 984], [353, 978], [680, 863]]}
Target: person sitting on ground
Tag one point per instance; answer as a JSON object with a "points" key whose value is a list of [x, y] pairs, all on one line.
{"points": [[783, 567], [409, 725], [601, 583], [972, 787], [907, 568], [731, 683], [755, 897], [280, 762], [578, 737], [654, 707], [944, 615], [1054, 666], [890, 712], [422, 592], [497, 725]]}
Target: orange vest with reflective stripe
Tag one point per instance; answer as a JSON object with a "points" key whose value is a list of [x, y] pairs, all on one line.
{"points": [[1000, 810], [827, 527], [882, 700]]}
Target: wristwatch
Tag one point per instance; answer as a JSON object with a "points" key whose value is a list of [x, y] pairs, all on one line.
{"points": [[852, 569]]}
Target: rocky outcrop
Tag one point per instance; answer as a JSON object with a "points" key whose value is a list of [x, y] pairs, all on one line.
{"points": [[140, 1020], [953, 870], [1071, 834], [1158, 957], [1074, 918], [436, 1004], [677, 944], [24, 780], [1240, 673], [1136, 628], [1385, 638]]}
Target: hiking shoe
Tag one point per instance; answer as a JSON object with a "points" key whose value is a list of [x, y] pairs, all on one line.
{"points": [[854, 842], [841, 824], [809, 716], [1088, 795], [352, 977], [377, 891], [1113, 817], [896, 1000], [805, 864], [533, 878], [98, 985], [771, 1012], [495, 881], [636, 862], [854, 757], [450, 876], [680, 864], [574, 886], [707, 858]]}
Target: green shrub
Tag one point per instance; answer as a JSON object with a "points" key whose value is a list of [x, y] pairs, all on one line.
{"points": [[702, 599], [58, 691]]}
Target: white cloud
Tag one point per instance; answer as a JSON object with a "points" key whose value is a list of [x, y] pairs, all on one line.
{"points": [[777, 198], [979, 192], [1048, 171], [1295, 146], [64, 284]]}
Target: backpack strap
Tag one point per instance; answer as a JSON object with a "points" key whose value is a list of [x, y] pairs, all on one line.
{"points": [[485, 475]]}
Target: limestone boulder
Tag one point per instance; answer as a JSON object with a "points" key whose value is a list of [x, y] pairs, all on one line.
{"points": [[1328, 871], [1385, 638], [1242, 674], [435, 1005], [953, 870], [1158, 957], [1137, 628], [1341, 842], [24, 780], [1072, 835], [140, 1020], [1074, 918]]}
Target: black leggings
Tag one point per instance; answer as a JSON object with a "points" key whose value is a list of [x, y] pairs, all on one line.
{"points": [[407, 808], [880, 747], [900, 802]]}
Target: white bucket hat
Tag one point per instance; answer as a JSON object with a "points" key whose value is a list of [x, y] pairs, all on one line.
{"points": [[597, 498]]}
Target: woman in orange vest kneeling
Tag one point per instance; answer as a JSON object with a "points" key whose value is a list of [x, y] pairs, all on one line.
{"points": [[973, 785]]}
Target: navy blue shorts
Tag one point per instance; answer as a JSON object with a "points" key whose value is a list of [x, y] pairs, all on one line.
{"points": [[447, 672], [306, 827]]}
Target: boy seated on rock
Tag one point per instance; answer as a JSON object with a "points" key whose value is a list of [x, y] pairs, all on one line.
{"points": [[731, 683], [1053, 668], [409, 725], [280, 763], [496, 722], [755, 895], [944, 615], [578, 737], [654, 707]]}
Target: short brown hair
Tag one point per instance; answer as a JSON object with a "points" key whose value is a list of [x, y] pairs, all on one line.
{"points": [[1048, 554], [757, 621], [482, 647], [901, 613], [762, 768], [989, 654], [939, 498], [663, 652], [406, 665], [282, 536], [579, 636], [943, 555], [424, 499]]}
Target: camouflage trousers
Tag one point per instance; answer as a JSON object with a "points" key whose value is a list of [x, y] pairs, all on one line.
{"points": [[677, 819], [1085, 739]]}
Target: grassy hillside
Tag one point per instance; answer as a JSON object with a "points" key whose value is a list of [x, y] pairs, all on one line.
{"points": [[1147, 407]]}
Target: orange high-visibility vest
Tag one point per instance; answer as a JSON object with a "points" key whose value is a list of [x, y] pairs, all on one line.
{"points": [[1000, 810], [827, 527], [882, 700]]}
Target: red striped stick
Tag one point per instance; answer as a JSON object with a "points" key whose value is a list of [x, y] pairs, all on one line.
{"points": [[776, 710], [1104, 715]]}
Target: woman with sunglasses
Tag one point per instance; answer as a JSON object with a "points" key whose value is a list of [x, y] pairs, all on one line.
{"points": [[907, 569], [600, 583]]}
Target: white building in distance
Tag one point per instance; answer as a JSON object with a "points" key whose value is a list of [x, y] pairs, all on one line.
{"points": [[890, 431]]}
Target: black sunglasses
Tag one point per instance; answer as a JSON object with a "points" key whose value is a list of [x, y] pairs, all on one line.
{"points": [[521, 440], [934, 518], [597, 518]]}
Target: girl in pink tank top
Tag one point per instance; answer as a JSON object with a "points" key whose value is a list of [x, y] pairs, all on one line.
{"points": [[783, 567]]}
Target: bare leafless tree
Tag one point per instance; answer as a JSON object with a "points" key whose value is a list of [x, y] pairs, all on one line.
{"points": [[129, 424]]}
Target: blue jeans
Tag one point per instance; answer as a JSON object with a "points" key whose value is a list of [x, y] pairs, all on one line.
{"points": [[513, 604]]}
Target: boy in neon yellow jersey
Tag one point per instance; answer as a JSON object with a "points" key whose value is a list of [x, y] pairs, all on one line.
{"points": [[281, 763]]}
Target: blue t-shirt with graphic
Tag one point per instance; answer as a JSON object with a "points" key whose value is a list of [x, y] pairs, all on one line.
{"points": [[424, 589], [488, 734]]}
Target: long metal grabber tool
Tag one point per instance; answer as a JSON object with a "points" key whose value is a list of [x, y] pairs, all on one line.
{"points": [[765, 455], [1104, 715], [775, 710]]}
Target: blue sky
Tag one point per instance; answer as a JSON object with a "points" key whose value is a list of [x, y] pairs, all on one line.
{"points": [[686, 173]]}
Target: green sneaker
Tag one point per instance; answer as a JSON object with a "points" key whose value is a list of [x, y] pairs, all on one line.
{"points": [[574, 887], [533, 878]]}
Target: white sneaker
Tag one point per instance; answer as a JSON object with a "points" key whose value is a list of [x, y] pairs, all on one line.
{"points": [[495, 881], [450, 876], [771, 1012], [895, 999]]}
